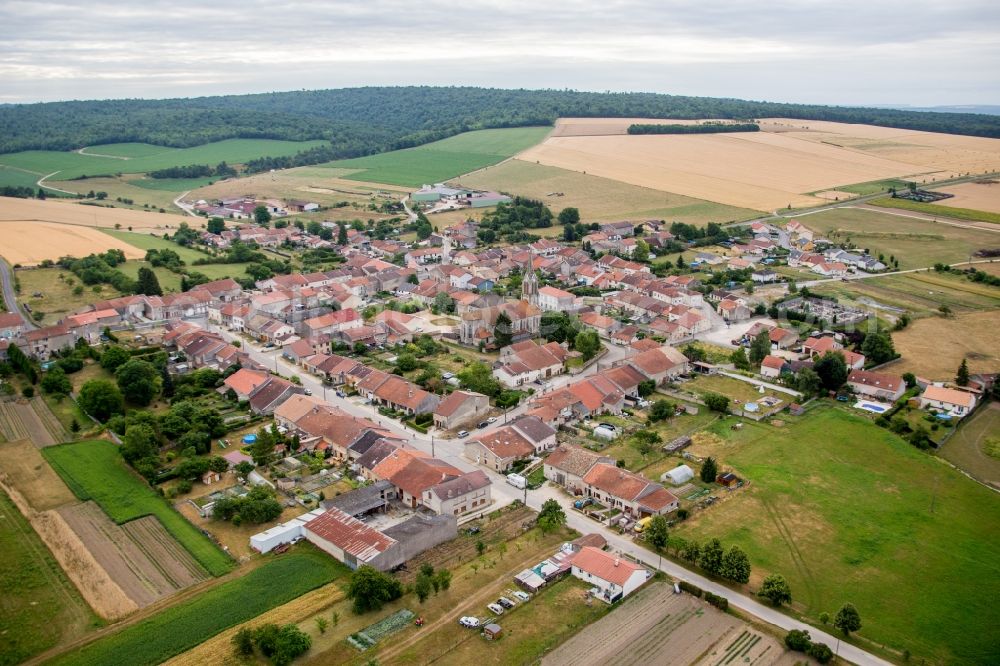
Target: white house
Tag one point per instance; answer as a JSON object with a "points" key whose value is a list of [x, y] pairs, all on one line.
{"points": [[955, 402], [551, 299], [612, 577]]}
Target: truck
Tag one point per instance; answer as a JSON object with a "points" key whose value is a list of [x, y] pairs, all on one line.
{"points": [[517, 481]]}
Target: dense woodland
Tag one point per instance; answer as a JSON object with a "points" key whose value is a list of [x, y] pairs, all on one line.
{"points": [[363, 121]]}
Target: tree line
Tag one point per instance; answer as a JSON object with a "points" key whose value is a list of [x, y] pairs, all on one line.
{"points": [[363, 121], [703, 128]]}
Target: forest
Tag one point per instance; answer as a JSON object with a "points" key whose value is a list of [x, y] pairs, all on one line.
{"points": [[704, 128], [364, 121]]}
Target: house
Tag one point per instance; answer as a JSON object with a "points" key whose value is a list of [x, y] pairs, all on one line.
{"points": [[459, 408], [404, 396], [604, 326], [627, 491], [814, 347], [11, 325], [568, 464], [500, 448], [952, 401], [877, 385], [727, 480], [551, 299], [782, 338], [469, 493], [245, 381], [413, 472], [526, 361], [771, 366], [763, 276], [733, 311], [660, 364], [612, 577]]}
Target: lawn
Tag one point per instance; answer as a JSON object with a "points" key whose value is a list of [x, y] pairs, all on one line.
{"points": [[438, 161], [737, 391], [915, 243], [40, 607], [95, 470], [56, 297], [847, 511], [152, 242], [970, 447], [873, 187], [72, 165], [169, 281], [939, 211], [181, 627]]}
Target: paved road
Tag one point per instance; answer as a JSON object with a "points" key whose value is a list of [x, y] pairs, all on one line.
{"points": [[187, 208], [10, 296], [503, 494]]}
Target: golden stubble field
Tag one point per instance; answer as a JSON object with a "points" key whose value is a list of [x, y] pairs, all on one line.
{"points": [[979, 196], [778, 167], [29, 242], [49, 210]]}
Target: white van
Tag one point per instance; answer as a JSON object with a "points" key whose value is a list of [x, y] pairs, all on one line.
{"points": [[517, 481]]}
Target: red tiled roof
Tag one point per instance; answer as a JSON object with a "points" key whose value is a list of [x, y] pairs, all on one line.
{"points": [[605, 566]]}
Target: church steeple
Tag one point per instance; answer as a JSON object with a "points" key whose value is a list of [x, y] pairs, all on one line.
{"points": [[529, 282]]}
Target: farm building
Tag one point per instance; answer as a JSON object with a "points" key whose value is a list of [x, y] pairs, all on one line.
{"points": [[268, 540]]}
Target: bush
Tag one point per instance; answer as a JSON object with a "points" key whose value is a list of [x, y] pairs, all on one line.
{"points": [[821, 652], [719, 602], [690, 589], [798, 640]]}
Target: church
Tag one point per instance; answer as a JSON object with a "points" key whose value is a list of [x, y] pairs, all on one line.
{"points": [[478, 326]]}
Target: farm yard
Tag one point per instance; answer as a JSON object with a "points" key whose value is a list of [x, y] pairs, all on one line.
{"points": [[597, 198], [775, 168], [94, 470], [441, 160], [183, 626], [656, 623], [21, 242], [847, 511], [975, 446]]}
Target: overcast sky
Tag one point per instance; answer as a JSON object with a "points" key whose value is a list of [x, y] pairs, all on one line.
{"points": [[847, 52]]}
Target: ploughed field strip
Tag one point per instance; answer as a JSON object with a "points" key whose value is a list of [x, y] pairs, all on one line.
{"points": [[32, 420], [145, 561]]}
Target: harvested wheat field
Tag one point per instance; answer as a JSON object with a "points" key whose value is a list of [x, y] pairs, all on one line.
{"points": [[777, 167], [63, 212], [147, 563], [23, 467], [29, 243], [608, 126], [658, 626], [978, 196], [934, 347]]}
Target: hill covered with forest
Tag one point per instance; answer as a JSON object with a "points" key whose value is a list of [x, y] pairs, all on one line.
{"points": [[363, 121]]}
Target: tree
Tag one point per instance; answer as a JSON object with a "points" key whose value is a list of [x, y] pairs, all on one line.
{"points": [[847, 619], [878, 347], [139, 381], [370, 589], [55, 382], [709, 470], [478, 377], [216, 225], [139, 443], [735, 566], [243, 641], [808, 382], [101, 399], [443, 579], [341, 234], [739, 359], [262, 450], [587, 343], [716, 402], [261, 216], [113, 357], [832, 370], [289, 643], [821, 652], [147, 283], [444, 303], [775, 589], [321, 624], [760, 347], [910, 379], [646, 388], [503, 330], [569, 216], [422, 587], [244, 468], [691, 552], [641, 251], [962, 378], [660, 411], [658, 536], [711, 557], [798, 640], [551, 516], [406, 362], [645, 440]]}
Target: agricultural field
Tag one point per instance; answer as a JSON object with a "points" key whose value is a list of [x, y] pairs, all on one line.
{"points": [[70, 165], [596, 198], [916, 243], [848, 511], [775, 168], [126, 187], [94, 470], [63, 212], [182, 627], [171, 184], [441, 160], [11, 177], [151, 241], [23, 242], [41, 608], [935, 210], [32, 420], [983, 195], [970, 336], [975, 446], [657, 622]]}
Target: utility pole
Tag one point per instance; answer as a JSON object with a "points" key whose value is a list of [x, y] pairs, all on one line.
{"points": [[432, 446]]}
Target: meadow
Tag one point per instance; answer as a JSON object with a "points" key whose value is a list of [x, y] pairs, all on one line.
{"points": [[969, 448], [94, 470], [185, 625], [936, 210], [916, 243], [970, 336], [70, 165], [171, 184], [41, 607], [598, 198], [441, 160], [848, 511]]}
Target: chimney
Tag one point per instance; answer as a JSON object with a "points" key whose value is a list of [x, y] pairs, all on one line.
{"points": [[617, 561]]}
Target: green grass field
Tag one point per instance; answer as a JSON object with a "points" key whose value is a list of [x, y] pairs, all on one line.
{"points": [[95, 470], [939, 211], [151, 242], [74, 165], [441, 160], [874, 187], [40, 606], [181, 627], [171, 184], [847, 511], [599, 198], [169, 280], [129, 150], [919, 293], [916, 243], [11, 177], [973, 447]]}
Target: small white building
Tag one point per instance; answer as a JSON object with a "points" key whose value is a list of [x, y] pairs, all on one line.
{"points": [[268, 540], [678, 475], [612, 577]]}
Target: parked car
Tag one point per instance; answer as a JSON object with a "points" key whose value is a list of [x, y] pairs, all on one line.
{"points": [[483, 424], [608, 426], [462, 434], [495, 609], [505, 602], [580, 503], [522, 596], [469, 621], [341, 394], [308, 392], [492, 419]]}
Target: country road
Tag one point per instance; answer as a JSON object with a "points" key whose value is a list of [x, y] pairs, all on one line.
{"points": [[10, 295], [451, 451], [41, 183], [187, 208]]}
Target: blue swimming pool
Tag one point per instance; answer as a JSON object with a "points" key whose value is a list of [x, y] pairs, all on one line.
{"points": [[871, 406]]}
